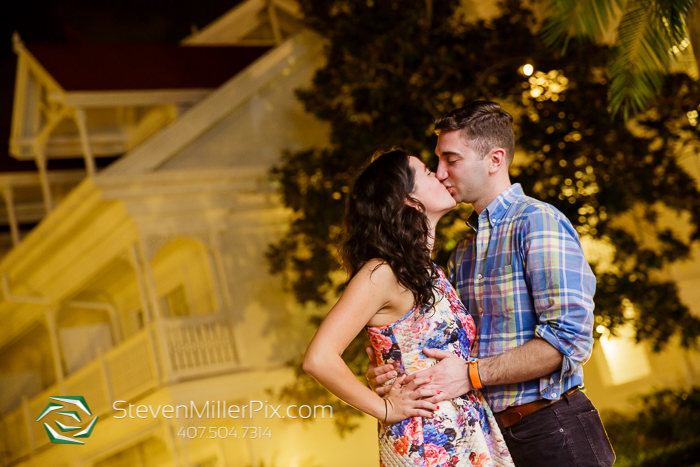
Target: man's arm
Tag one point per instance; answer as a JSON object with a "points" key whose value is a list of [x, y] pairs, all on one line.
{"points": [[532, 360]]}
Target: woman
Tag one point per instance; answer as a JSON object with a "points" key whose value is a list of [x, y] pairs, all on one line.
{"points": [[406, 304]]}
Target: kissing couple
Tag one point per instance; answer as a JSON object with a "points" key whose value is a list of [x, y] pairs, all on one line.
{"points": [[480, 365]]}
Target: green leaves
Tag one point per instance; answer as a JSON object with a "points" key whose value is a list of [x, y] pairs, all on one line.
{"points": [[648, 31], [583, 19], [648, 37]]}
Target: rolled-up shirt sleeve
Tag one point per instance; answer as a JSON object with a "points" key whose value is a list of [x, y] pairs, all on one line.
{"points": [[562, 286]]}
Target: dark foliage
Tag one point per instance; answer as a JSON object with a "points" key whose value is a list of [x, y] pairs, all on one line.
{"points": [[663, 433], [395, 66]]}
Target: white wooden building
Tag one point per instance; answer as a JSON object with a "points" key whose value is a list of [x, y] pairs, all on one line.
{"points": [[145, 282]]}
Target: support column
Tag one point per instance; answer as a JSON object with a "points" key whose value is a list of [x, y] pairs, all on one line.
{"points": [[40, 159], [178, 449], [29, 422], [106, 381], [150, 281], [220, 270], [274, 22], [81, 121], [223, 293], [141, 283], [156, 328], [8, 196], [50, 315]]}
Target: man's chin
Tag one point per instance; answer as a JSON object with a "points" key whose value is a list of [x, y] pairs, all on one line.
{"points": [[456, 197]]}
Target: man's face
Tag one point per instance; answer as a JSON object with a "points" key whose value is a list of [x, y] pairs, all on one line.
{"points": [[460, 169]]}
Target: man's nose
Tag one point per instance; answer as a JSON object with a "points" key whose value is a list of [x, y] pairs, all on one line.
{"points": [[441, 172]]}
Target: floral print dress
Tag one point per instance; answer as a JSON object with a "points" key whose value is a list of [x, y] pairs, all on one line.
{"points": [[463, 431]]}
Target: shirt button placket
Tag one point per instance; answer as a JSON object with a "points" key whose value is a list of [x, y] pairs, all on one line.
{"points": [[482, 242]]}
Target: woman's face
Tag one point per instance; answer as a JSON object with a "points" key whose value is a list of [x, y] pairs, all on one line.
{"points": [[429, 191]]}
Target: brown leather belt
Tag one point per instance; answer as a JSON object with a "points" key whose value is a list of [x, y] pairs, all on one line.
{"points": [[513, 415]]}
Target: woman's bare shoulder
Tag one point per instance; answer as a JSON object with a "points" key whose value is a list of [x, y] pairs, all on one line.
{"points": [[376, 273]]}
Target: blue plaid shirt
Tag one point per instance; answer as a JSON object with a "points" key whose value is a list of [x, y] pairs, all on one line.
{"points": [[522, 274]]}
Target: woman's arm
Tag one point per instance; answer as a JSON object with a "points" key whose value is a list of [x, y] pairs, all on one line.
{"points": [[367, 293]]}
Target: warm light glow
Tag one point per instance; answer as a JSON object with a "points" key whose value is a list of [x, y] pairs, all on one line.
{"points": [[626, 360], [544, 86], [600, 329]]}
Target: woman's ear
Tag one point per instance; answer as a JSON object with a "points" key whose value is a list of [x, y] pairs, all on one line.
{"points": [[413, 203]]}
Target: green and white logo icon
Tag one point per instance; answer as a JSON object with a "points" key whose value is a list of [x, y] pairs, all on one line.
{"points": [[77, 402]]}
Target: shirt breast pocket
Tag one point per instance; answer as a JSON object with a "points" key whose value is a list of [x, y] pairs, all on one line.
{"points": [[499, 290]]}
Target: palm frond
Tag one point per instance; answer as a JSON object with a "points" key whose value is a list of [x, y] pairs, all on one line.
{"points": [[578, 18], [647, 32]]}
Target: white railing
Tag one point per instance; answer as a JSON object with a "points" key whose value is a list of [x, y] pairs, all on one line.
{"points": [[197, 345], [16, 435], [132, 367], [166, 352], [35, 407]]}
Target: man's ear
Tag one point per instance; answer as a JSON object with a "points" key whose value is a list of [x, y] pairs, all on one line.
{"points": [[497, 159]]}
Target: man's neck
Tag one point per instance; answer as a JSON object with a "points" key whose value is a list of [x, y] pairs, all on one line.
{"points": [[494, 193]]}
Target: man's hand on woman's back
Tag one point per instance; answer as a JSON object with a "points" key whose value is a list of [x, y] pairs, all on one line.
{"points": [[377, 376]]}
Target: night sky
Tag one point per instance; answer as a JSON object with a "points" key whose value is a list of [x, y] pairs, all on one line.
{"points": [[93, 22]]}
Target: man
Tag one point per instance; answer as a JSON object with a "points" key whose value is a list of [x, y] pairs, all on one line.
{"points": [[524, 279]]}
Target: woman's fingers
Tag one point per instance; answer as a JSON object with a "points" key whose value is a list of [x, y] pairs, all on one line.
{"points": [[421, 393], [405, 404], [443, 396], [397, 383], [423, 404], [420, 413], [382, 390]]}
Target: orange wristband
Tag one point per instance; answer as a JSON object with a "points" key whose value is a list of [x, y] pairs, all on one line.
{"points": [[474, 377]]}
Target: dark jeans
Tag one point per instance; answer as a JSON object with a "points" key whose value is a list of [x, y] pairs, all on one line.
{"points": [[568, 433]]}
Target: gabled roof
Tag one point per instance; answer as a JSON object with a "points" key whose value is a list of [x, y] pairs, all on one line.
{"points": [[155, 151], [80, 67]]}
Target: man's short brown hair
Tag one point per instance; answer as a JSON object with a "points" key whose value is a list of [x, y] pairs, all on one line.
{"points": [[484, 126]]}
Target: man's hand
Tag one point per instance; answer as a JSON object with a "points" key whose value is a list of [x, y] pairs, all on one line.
{"points": [[449, 377], [378, 375]]}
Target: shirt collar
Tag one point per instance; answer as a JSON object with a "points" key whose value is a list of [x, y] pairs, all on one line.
{"points": [[498, 207]]}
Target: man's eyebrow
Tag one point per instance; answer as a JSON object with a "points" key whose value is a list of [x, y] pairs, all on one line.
{"points": [[449, 153]]}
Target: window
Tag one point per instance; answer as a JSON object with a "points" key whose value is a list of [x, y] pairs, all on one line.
{"points": [[175, 304]]}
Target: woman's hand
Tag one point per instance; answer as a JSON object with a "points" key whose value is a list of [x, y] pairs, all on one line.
{"points": [[402, 404]]}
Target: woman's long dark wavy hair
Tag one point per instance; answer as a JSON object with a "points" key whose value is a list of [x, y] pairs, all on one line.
{"points": [[379, 224]]}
